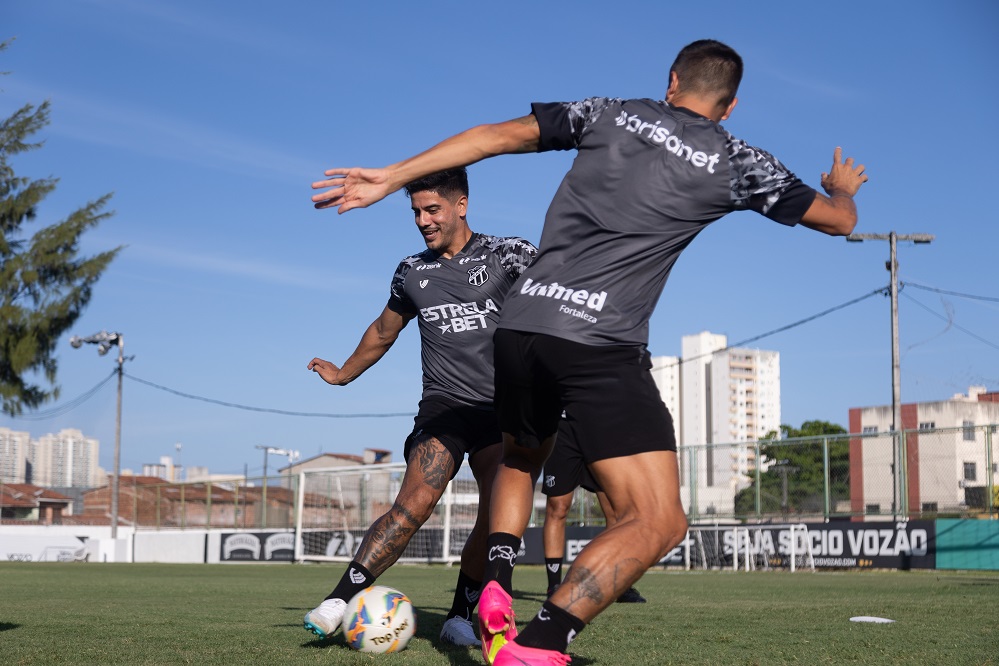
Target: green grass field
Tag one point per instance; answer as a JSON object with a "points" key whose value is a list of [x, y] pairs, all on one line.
{"points": [[251, 614]]}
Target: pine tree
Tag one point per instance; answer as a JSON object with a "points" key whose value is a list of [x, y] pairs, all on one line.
{"points": [[44, 283]]}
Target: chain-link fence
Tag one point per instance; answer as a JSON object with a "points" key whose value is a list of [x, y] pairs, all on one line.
{"points": [[251, 503], [924, 473]]}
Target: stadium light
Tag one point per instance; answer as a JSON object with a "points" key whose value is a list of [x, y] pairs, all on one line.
{"points": [[896, 371], [105, 341]]}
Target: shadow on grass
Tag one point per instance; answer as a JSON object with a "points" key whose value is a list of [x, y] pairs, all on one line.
{"points": [[539, 596], [7, 626]]}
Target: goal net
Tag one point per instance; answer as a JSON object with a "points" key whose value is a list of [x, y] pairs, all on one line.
{"points": [[338, 505], [748, 547]]}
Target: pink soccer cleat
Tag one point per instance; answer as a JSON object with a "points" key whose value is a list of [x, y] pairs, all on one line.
{"points": [[496, 620], [515, 654]]}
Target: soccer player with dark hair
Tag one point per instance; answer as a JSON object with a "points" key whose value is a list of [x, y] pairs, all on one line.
{"points": [[648, 176], [456, 288]]}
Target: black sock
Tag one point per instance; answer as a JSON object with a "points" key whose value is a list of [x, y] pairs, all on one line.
{"points": [[551, 629], [502, 556], [466, 595], [354, 579], [553, 565]]}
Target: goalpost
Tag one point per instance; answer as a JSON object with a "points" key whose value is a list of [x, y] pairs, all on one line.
{"points": [[748, 547], [336, 506]]}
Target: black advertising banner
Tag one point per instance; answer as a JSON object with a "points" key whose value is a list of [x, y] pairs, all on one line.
{"points": [[835, 545], [902, 545], [258, 546]]}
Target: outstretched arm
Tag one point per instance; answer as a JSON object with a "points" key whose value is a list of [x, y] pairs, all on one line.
{"points": [[348, 188], [377, 340], [836, 214]]}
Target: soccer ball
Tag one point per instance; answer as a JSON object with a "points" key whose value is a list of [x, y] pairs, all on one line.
{"points": [[379, 619]]}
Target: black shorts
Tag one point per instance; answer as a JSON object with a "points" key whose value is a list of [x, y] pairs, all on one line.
{"points": [[565, 469], [606, 391], [462, 429]]}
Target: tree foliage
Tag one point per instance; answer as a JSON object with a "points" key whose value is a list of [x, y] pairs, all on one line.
{"points": [[794, 464], [44, 282]]}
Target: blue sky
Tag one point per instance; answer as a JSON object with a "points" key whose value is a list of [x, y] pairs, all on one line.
{"points": [[209, 121]]}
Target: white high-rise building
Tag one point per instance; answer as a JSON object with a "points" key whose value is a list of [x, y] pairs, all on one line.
{"points": [[13, 455], [65, 460], [666, 373], [728, 396], [697, 351]]}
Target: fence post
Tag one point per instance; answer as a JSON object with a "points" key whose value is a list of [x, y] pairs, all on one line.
{"points": [[825, 480], [157, 507], [692, 451], [759, 481], [208, 504], [183, 508], [903, 480], [991, 499]]}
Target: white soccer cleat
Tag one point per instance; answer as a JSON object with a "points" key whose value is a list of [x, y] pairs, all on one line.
{"points": [[459, 631], [325, 619]]}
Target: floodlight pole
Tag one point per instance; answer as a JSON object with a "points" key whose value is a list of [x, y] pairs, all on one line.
{"points": [[896, 364], [105, 341]]}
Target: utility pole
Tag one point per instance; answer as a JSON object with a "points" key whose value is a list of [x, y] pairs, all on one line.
{"points": [[896, 366], [105, 341]]}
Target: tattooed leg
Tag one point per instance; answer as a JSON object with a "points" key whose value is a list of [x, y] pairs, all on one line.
{"points": [[427, 475], [643, 491]]}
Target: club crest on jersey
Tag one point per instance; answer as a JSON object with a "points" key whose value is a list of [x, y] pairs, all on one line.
{"points": [[477, 275], [424, 283]]}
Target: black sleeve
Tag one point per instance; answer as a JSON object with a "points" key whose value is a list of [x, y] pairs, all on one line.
{"points": [[793, 204], [563, 123], [399, 302], [556, 127]]}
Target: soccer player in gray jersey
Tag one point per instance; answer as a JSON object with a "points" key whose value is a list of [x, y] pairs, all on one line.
{"points": [[455, 288], [648, 176]]}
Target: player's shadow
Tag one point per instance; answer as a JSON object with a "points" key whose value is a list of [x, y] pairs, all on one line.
{"points": [[530, 596], [7, 626]]}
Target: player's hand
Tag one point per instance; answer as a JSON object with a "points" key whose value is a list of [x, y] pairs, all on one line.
{"points": [[843, 178], [350, 188], [328, 371]]}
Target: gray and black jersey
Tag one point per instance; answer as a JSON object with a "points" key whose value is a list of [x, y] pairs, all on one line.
{"points": [[457, 302], [647, 178]]}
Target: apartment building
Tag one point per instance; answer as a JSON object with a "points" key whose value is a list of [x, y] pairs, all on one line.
{"points": [[728, 396], [948, 460], [13, 455], [64, 459]]}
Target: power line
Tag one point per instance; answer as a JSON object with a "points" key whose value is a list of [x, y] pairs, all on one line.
{"points": [[66, 407], [952, 293], [949, 321], [881, 290], [76, 402], [267, 409]]}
